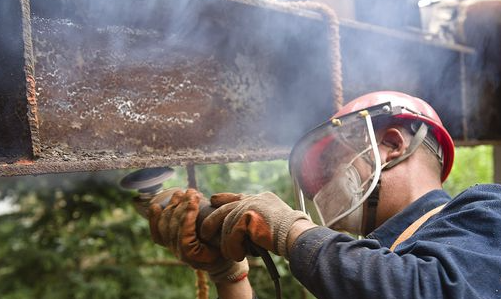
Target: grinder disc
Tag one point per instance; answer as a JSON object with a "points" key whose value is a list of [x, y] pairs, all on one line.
{"points": [[146, 178]]}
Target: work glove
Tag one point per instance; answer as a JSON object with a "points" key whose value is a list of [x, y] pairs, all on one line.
{"points": [[175, 228], [263, 218]]}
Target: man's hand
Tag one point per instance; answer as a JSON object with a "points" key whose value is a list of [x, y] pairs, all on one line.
{"points": [[263, 218], [175, 228]]}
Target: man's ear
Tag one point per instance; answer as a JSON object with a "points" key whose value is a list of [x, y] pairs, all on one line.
{"points": [[395, 142]]}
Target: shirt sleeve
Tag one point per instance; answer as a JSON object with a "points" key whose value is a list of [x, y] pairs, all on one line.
{"points": [[453, 256]]}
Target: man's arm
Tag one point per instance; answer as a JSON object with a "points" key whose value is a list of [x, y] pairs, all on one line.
{"points": [[231, 290], [297, 229], [452, 256], [242, 289]]}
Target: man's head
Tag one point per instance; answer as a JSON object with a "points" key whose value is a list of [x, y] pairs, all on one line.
{"points": [[385, 145], [412, 176]]}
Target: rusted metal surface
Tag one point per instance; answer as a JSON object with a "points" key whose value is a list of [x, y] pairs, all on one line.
{"points": [[142, 97], [129, 84], [114, 96], [481, 27], [150, 95]]}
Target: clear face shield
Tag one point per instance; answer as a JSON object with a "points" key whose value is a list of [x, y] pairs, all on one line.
{"points": [[336, 167]]}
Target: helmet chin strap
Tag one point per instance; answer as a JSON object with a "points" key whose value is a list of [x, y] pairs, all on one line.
{"points": [[370, 220], [372, 201]]}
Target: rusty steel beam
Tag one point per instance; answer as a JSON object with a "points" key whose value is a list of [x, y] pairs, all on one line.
{"points": [[125, 84], [95, 161], [144, 91], [112, 94]]}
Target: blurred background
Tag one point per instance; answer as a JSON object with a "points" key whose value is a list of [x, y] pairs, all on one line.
{"points": [[76, 235], [89, 86]]}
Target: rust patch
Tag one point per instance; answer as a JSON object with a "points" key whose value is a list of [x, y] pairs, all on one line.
{"points": [[33, 114], [25, 162], [143, 95]]}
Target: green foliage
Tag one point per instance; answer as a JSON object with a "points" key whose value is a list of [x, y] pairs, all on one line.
{"points": [[472, 165], [248, 178], [78, 236]]}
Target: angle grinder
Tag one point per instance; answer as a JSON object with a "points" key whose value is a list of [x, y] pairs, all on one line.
{"points": [[149, 183]]}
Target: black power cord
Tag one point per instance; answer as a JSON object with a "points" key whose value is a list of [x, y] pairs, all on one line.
{"points": [[256, 251]]}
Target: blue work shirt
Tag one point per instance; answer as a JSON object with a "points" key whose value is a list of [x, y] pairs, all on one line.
{"points": [[454, 254]]}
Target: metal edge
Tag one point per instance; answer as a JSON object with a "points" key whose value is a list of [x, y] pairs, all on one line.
{"points": [[29, 69], [42, 167]]}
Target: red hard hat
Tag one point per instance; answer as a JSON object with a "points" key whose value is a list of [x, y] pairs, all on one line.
{"points": [[416, 109]]}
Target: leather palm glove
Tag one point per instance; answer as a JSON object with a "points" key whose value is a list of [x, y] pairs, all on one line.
{"points": [[263, 218], [175, 228]]}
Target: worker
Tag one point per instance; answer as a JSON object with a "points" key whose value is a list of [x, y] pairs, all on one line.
{"points": [[374, 169]]}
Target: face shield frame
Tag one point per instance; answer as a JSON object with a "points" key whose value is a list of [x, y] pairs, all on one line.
{"points": [[320, 138]]}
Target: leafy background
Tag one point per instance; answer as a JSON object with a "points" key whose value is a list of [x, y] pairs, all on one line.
{"points": [[78, 236]]}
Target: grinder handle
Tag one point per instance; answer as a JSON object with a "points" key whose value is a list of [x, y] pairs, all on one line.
{"points": [[205, 209], [253, 249]]}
